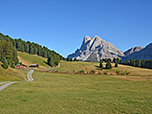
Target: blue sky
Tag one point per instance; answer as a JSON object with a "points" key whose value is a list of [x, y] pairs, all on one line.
{"points": [[62, 24]]}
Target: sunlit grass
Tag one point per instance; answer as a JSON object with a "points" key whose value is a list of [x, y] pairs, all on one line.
{"points": [[68, 93], [29, 59]]}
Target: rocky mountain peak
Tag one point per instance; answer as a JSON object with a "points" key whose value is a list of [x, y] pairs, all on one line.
{"points": [[86, 38], [132, 50], [149, 45], [95, 49]]}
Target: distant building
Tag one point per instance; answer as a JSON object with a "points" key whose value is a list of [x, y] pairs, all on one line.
{"points": [[18, 66], [34, 65]]}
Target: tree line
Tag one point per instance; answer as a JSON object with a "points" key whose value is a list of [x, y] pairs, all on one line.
{"points": [[108, 63], [9, 48], [8, 54], [139, 63]]}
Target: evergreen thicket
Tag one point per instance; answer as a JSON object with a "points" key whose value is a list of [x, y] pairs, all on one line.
{"points": [[9, 48], [139, 63], [53, 60], [8, 53], [28, 47]]}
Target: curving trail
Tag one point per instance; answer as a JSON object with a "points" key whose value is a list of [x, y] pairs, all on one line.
{"points": [[29, 76], [6, 84]]}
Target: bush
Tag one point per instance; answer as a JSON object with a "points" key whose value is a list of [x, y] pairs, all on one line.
{"points": [[81, 72], [92, 72], [105, 73], [125, 73], [118, 72], [100, 73]]}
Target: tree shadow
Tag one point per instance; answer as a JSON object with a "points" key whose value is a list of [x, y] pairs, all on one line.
{"points": [[45, 62], [97, 67]]}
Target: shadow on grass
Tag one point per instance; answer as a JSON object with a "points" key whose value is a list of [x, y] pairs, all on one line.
{"points": [[46, 63]]}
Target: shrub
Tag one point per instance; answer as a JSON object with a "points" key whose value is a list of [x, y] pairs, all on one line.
{"points": [[118, 72], [105, 73], [81, 72], [92, 71], [100, 73]]}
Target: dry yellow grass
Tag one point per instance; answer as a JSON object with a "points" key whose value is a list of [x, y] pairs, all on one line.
{"points": [[11, 74], [88, 66]]}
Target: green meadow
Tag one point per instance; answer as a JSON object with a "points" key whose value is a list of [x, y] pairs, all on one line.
{"points": [[64, 92], [68, 93]]}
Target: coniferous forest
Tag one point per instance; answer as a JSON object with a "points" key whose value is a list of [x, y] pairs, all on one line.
{"points": [[10, 46], [139, 63]]}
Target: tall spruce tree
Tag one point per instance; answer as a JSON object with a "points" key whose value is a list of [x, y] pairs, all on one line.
{"points": [[116, 64], [101, 65], [12, 64], [22, 48], [108, 65], [9, 51], [27, 48], [5, 63]]}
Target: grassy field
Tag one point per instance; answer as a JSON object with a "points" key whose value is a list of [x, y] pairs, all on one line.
{"points": [[88, 66], [67, 93], [29, 59], [71, 67], [75, 93], [11, 74]]}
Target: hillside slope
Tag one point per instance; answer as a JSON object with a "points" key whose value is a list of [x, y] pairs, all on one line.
{"points": [[87, 67], [29, 59], [11, 74], [132, 50], [145, 53]]}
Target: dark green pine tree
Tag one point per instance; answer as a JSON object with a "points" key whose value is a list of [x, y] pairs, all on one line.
{"points": [[53, 60], [31, 50], [9, 51], [5, 63], [35, 50], [108, 65], [101, 65], [27, 48], [39, 51], [45, 53], [12, 64], [116, 64], [15, 59], [22, 48], [18, 45]]}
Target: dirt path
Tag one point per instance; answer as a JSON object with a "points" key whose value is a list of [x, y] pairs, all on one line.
{"points": [[6, 84], [29, 76]]}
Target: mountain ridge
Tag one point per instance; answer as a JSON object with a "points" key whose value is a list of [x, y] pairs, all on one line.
{"points": [[94, 49]]}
